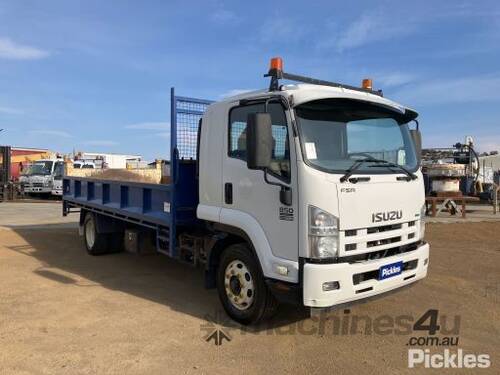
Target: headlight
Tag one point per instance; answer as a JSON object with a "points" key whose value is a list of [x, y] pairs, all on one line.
{"points": [[422, 222], [323, 234]]}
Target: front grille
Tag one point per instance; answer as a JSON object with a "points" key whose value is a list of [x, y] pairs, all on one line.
{"points": [[384, 241], [37, 184], [379, 254], [384, 228], [350, 246], [373, 275], [373, 239]]}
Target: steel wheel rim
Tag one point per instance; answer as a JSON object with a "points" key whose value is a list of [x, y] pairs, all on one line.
{"points": [[90, 233], [239, 285]]}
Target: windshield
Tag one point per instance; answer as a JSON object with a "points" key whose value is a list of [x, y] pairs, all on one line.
{"points": [[337, 132], [41, 167]]}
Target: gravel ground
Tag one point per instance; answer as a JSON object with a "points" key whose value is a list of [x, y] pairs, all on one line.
{"points": [[64, 312]]}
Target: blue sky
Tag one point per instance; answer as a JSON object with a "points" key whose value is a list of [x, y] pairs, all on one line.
{"points": [[95, 75]]}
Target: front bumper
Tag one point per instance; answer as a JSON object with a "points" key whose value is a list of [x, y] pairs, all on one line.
{"points": [[57, 192], [31, 189], [316, 274]]}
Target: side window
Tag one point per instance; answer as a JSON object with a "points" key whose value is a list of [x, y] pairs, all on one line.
{"points": [[280, 164]]}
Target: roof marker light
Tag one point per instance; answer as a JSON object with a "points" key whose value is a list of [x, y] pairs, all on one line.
{"points": [[367, 84], [276, 63]]}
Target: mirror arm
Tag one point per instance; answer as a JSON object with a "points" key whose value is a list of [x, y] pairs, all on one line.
{"points": [[285, 193], [417, 123], [271, 182]]}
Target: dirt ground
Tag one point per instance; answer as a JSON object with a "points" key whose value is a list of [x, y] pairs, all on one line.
{"points": [[65, 312]]}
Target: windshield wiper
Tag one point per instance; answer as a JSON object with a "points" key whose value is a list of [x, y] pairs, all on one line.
{"points": [[350, 171], [388, 164]]}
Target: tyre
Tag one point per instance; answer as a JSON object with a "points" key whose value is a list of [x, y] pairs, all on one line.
{"points": [[96, 243], [242, 288]]}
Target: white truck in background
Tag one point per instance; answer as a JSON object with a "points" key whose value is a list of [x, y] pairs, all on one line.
{"points": [[39, 176], [308, 193], [57, 182], [106, 160]]}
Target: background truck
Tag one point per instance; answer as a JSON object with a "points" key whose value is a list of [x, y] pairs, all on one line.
{"points": [[57, 180], [308, 193], [106, 160], [38, 178]]}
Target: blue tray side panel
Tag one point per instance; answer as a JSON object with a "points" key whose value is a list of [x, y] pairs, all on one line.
{"points": [[153, 205], [135, 202]]}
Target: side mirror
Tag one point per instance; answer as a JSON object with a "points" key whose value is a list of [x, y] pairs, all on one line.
{"points": [[259, 140], [417, 141]]}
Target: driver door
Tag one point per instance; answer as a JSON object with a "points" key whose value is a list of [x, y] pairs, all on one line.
{"points": [[248, 191]]}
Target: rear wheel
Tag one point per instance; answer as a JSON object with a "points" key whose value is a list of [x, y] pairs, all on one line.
{"points": [[242, 288], [96, 243]]}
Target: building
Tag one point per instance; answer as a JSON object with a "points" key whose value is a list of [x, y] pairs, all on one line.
{"points": [[22, 156]]}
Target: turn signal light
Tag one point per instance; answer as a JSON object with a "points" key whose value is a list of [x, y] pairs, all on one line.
{"points": [[367, 84], [276, 63]]}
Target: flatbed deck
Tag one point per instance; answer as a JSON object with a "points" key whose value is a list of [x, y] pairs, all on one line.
{"points": [[161, 207]]}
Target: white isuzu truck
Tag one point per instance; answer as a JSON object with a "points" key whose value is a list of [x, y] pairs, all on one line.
{"points": [[309, 192], [39, 178]]}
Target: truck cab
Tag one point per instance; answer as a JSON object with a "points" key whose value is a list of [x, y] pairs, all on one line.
{"points": [[57, 179], [336, 210], [39, 177]]}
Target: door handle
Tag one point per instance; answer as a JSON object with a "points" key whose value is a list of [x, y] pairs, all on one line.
{"points": [[228, 193]]}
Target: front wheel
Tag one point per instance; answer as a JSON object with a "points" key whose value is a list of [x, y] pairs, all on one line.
{"points": [[241, 286]]}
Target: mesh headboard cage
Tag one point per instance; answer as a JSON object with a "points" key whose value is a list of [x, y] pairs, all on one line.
{"points": [[185, 117]]}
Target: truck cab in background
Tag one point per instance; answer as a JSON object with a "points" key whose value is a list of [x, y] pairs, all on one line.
{"points": [[84, 164], [57, 178], [39, 176], [57, 181]]}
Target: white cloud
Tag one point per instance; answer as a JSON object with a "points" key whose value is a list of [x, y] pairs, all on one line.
{"points": [[372, 27], [149, 126], [165, 135], [11, 111], [224, 16], [487, 143], [390, 23], [393, 79], [104, 143], [460, 90], [281, 28], [15, 51], [234, 92], [51, 133], [357, 33]]}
